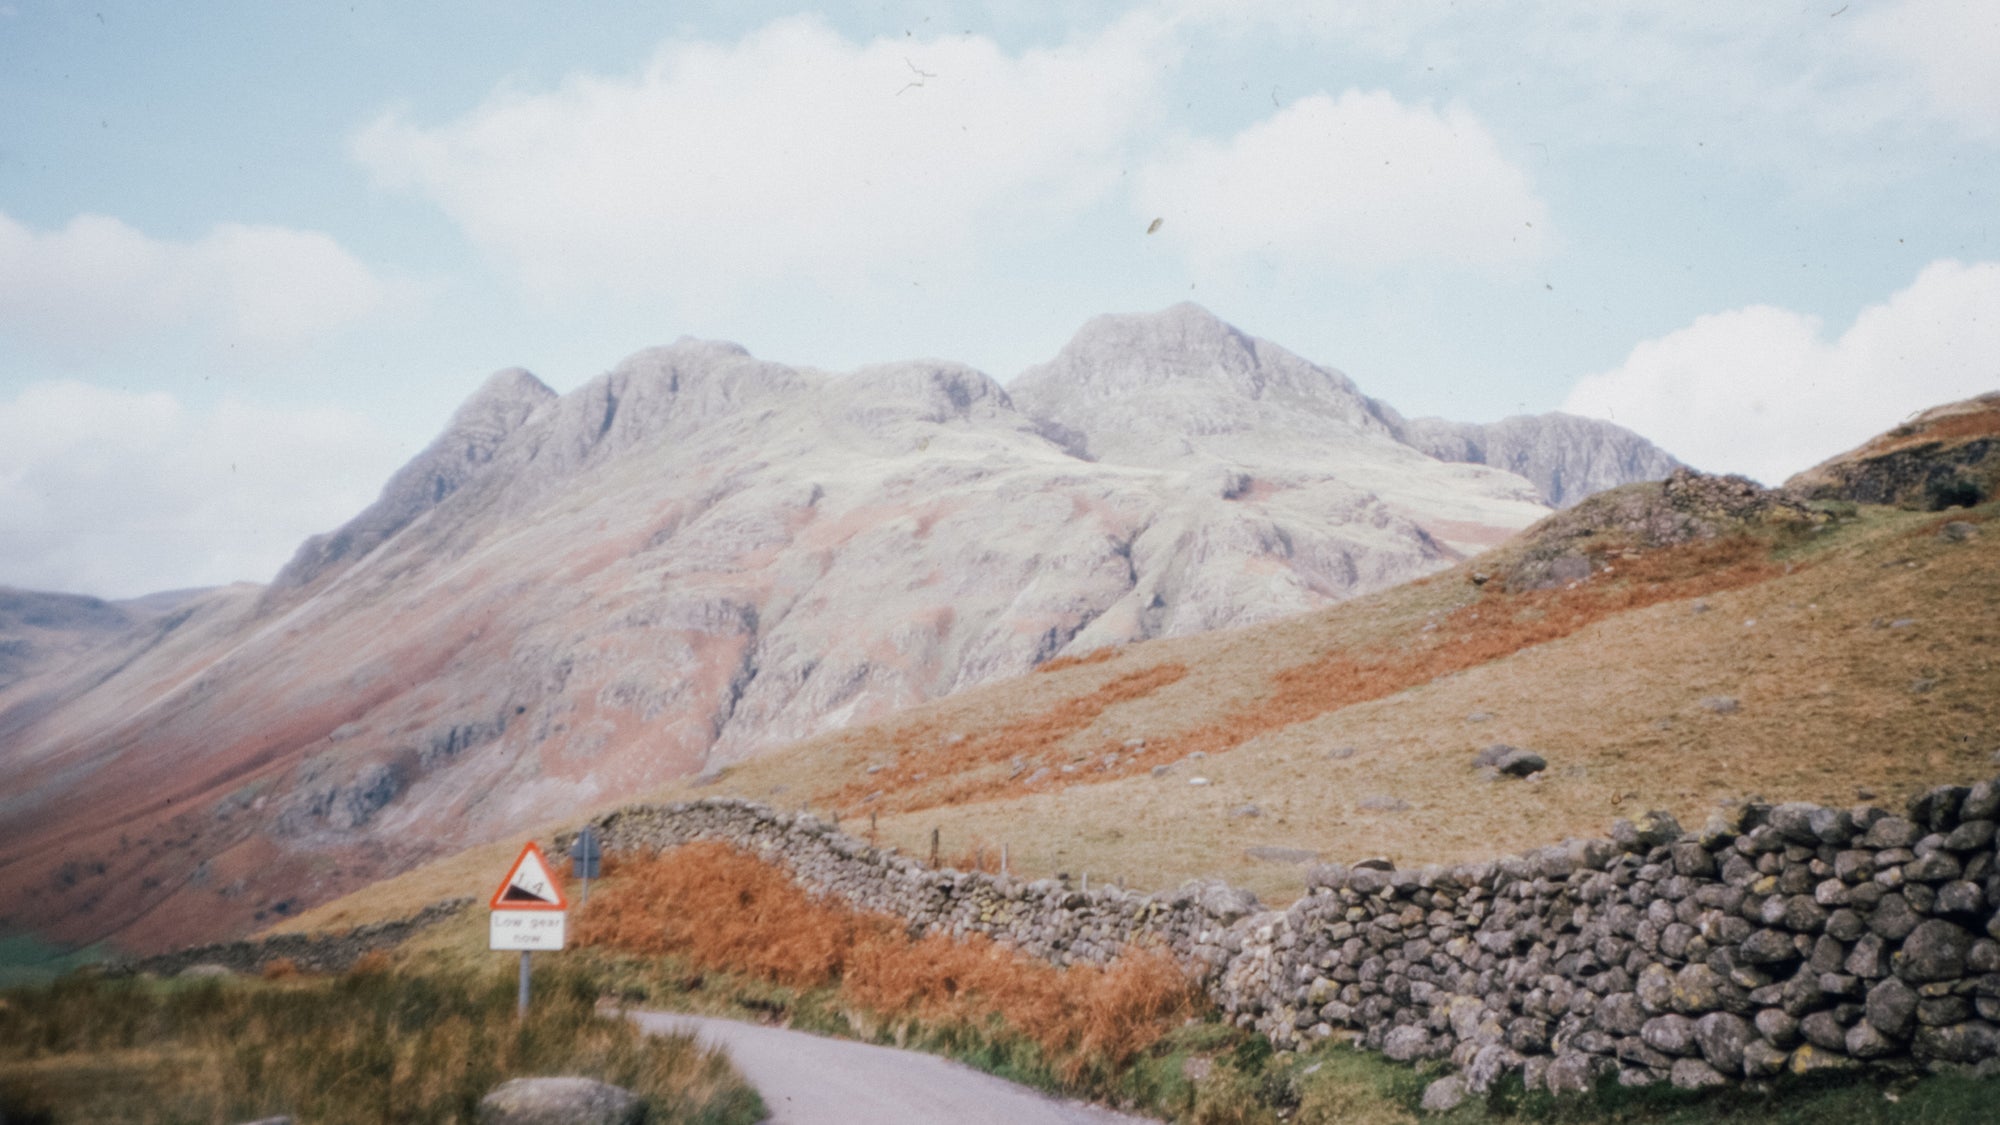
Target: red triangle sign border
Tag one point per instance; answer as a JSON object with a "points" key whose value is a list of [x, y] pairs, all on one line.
{"points": [[531, 852]]}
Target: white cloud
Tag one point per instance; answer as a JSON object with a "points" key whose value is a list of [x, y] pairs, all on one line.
{"points": [[99, 286], [1807, 89], [1949, 47], [792, 154], [1762, 391], [1360, 181], [118, 494]]}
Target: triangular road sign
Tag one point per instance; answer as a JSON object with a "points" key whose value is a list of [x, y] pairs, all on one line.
{"points": [[529, 885]]}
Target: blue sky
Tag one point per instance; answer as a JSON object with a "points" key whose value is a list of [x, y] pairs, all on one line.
{"points": [[252, 255]]}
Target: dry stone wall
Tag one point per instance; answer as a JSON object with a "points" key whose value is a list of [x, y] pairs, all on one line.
{"points": [[1778, 938], [1050, 919], [312, 953]]}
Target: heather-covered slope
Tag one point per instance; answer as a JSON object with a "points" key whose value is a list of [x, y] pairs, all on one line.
{"points": [[567, 599]]}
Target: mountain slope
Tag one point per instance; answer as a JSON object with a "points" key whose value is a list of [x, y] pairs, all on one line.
{"points": [[1711, 641], [694, 557]]}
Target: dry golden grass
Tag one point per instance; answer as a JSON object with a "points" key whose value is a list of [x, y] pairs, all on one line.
{"points": [[474, 871], [984, 763], [937, 761], [1972, 420], [724, 910], [1094, 656], [1835, 700]]}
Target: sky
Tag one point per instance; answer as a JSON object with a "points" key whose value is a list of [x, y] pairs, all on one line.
{"points": [[252, 255]]}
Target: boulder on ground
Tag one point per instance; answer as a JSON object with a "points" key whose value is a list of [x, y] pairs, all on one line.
{"points": [[1444, 1095], [560, 1101]]}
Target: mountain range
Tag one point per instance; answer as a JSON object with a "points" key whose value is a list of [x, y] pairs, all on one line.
{"points": [[696, 557]]}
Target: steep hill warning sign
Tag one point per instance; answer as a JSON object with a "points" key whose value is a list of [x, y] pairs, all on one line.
{"points": [[528, 906]]}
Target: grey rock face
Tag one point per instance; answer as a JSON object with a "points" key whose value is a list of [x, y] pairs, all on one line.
{"points": [[560, 1101], [1182, 390], [1565, 456]]}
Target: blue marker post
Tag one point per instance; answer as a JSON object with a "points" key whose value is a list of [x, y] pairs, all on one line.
{"points": [[585, 855]]}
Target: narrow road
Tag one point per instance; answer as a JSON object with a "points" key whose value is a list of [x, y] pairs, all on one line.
{"points": [[812, 1080]]}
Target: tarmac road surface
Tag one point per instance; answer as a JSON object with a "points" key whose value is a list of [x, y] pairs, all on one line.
{"points": [[813, 1080]]}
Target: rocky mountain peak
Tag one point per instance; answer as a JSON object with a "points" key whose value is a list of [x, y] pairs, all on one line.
{"points": [[925, 390], [503, 401], [477, 430], [1184, 346], [1155, 388]]}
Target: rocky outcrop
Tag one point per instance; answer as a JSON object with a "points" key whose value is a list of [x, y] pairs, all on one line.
{"points": [[1566, 457], [1945, 457], [1792, 937], [1686, 507]]}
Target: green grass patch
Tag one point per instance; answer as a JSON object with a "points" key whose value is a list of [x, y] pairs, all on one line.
{"points": [[26, 959]]}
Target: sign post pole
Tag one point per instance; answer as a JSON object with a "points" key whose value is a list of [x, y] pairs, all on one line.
{"points": [[521, 1009]]}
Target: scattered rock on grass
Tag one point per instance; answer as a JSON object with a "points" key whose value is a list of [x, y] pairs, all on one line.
{"points": [[1509, 761], [560, 1101]]}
